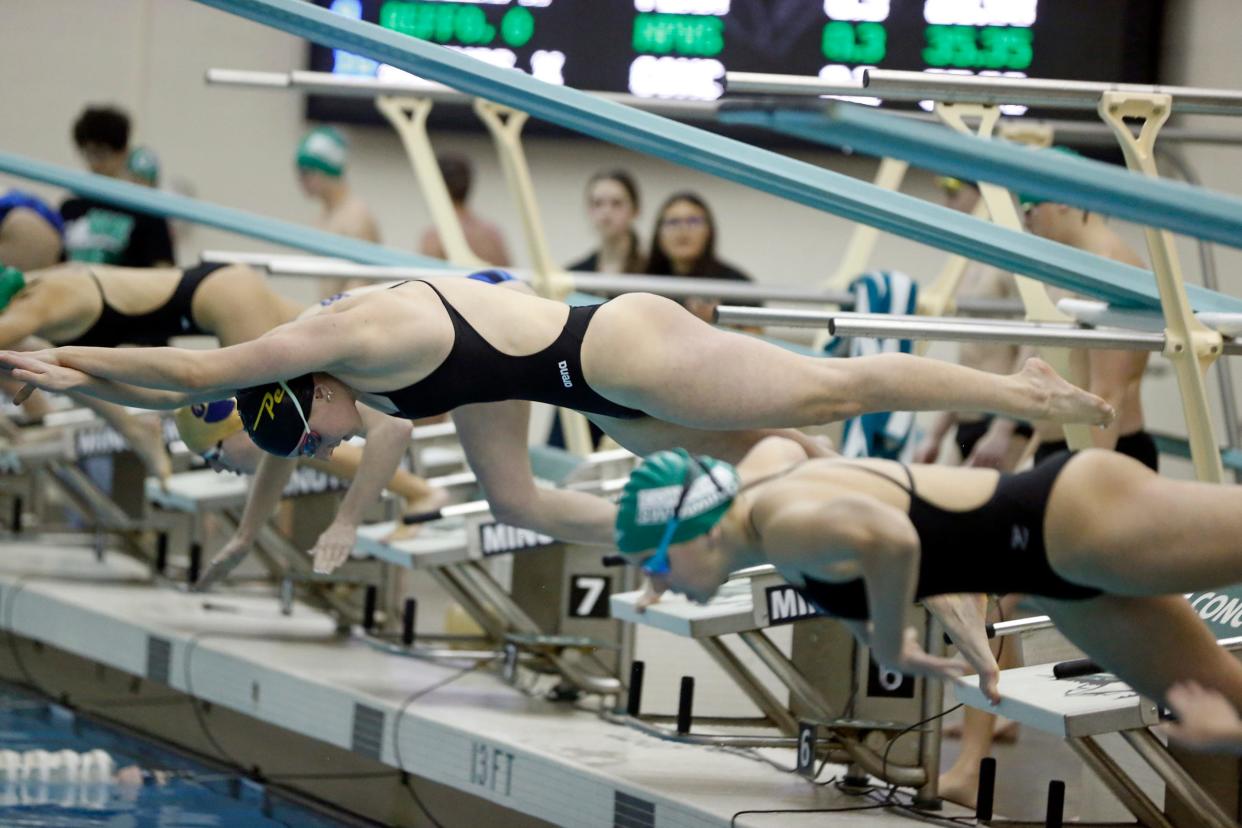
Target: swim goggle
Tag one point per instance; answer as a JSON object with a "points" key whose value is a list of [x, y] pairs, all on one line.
{"points": [[215, 454], [311, 440], [658, 564]]}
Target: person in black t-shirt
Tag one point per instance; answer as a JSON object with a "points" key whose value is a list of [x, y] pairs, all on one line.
{"points": [[684, 244], [612, 206], [106, 233]]}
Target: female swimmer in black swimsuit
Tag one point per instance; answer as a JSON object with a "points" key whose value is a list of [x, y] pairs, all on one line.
{"points": [[428, 347], [1101, 543]]}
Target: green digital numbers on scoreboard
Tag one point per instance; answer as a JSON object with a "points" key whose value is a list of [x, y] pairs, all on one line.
{"points": [[517, 27], [459, 24], [690, 35], [447, 23], [845, 42], [979, 47]]}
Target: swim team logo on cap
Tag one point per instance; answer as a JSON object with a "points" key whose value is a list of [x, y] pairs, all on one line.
{"points": [[704, 489], [323, 149], [270, 413]]}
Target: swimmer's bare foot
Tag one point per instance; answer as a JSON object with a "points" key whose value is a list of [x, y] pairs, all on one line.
{"points": [[960, 785], [146, 438], [1061, 401], [435, 500]]}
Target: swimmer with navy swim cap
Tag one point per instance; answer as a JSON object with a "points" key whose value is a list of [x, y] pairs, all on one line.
{"points": [[31, 231], [276, 415]]}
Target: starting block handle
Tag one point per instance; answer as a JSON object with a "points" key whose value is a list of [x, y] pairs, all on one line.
{"points": [[408, 116], [1076, 668]]}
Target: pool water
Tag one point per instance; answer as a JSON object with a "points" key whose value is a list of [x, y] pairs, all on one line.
{"points": [[188, 795]]}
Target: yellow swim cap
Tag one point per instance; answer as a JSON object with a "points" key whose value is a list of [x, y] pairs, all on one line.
{"points": [[203, 425]]}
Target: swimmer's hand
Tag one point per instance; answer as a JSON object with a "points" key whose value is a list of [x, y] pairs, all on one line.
{"points": [[225, 561], [915, 661], [651, 595], [1206, 718], [334, 546], [39, 369], [964, 621]]}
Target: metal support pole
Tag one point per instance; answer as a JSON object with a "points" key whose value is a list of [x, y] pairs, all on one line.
{"points": [[408, 116], [1207, 812], [1191, 346], [749, 684], [1122, 786], [1207, 269], [932, 705], [811, 699]]}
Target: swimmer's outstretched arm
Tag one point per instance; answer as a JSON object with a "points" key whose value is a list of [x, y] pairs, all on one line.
{"points": [[31, 369], [319, 343], [494, 437]]}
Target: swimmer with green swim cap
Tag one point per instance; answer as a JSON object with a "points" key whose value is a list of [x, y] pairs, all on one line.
{"points": [[674, 498], [12, 282], [143, 165], [321, 158], [323, 150]]}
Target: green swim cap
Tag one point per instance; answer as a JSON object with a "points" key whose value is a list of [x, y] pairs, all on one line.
{"points": [[144, 165], [1026, 200], [12, 281], [270, 413], [323, 149], [656, 487]]}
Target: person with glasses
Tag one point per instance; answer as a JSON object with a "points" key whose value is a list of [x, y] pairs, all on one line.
{"points": [[684, 244], [1101, 543], [640, 366]]}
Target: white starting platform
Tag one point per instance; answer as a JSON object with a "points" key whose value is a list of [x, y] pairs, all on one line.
{"points": [[1083, 708], [729, 612], [437, 543], [475, 734], [1069, 708]]}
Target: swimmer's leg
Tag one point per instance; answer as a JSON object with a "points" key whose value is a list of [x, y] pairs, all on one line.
{"points": [[1116, 525], [960, 783], [1150, 643], [648, 353], [237, 304]]}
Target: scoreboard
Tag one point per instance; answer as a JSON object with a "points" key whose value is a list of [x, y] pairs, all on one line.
{"points": [[682, 48]]}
